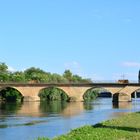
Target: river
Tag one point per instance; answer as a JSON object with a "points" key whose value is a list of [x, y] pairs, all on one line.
{"points": [[29, 120]]}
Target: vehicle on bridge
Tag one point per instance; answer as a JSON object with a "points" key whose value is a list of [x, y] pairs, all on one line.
{"points": [[124, 81]]}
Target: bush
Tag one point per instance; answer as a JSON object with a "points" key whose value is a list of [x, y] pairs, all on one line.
{"points": [[10, 95], [52, 94], [91, 94]]}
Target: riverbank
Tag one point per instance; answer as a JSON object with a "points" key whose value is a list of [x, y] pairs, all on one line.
{"points": [[123, 128]]}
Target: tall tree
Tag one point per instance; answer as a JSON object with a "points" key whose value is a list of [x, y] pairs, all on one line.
{"points": [[68, 75], [3, 72], [139, 77]]}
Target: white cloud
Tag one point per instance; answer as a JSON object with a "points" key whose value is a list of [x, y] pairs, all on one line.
{"points": [[131, 64], [11, 69]]}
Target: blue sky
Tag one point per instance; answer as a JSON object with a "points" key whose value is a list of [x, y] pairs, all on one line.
{"points": [[98, 39]]}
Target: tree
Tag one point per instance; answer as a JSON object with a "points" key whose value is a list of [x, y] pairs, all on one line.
{"points": [[10, 95], [3, 72], [4, 77], [76, 78], [56, 78], [139, 77], [17, 77], [68, 75], [53, 93], [35, 74], [3, 67]]}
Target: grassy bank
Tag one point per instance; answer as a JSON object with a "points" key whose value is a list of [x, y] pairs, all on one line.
{"points": [[123, 128]]}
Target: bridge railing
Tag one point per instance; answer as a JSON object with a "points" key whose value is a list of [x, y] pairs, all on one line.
{"points": [[112, 81], [93, 81]]}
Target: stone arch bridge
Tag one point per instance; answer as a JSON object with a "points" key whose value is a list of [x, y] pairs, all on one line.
{"points": [[120, 92]]}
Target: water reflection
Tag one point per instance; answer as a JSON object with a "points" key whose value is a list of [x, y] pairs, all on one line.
{"points": [[54, 118], [72, 109], [9, 108], [88, 106], [122, 105], [54, 107], [43, 109]]}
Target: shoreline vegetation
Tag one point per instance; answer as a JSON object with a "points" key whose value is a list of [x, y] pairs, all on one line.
{"points": [[126, 127]]}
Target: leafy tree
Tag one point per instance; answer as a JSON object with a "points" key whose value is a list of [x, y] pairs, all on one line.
{"points": [[76, 78], [52, 94], [17, 77], [3, 67], [37, 75], [91, 94], [56, 78], [68, 75], [4, 76], [34, 74]]}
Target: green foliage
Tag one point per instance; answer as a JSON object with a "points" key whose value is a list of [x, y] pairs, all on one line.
{"points": [[123, 128], [43, 138], [68, 75], [3, 67], [10, 95], [12, 106], [52, 94], [36, 75], [52, 106], [4, 77], [56, 78], [17, 77], [91, 94]]}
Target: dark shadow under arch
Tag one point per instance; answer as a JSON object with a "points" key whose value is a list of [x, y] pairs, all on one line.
{"points": [[95, 92], [53, 93], [10, 94], [135, 94]]}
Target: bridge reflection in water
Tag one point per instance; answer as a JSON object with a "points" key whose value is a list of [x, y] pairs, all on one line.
{"points": [[44, 109], [122, 105], [65, 109]]}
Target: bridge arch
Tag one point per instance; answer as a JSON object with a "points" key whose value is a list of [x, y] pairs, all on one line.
{"points": [[53, 93], [99, 92], [136, 94], [11, 94]]}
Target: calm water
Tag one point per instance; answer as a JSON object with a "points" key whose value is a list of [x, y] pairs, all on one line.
{"points": [[30, 120]]}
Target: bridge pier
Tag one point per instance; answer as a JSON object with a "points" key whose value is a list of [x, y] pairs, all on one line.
{"points": [[121, 97]]}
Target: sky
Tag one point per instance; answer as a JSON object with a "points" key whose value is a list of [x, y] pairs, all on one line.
{"points": [[97, 39]]}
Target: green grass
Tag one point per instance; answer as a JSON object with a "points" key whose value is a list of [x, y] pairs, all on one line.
{"points": [[123, 128]]}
